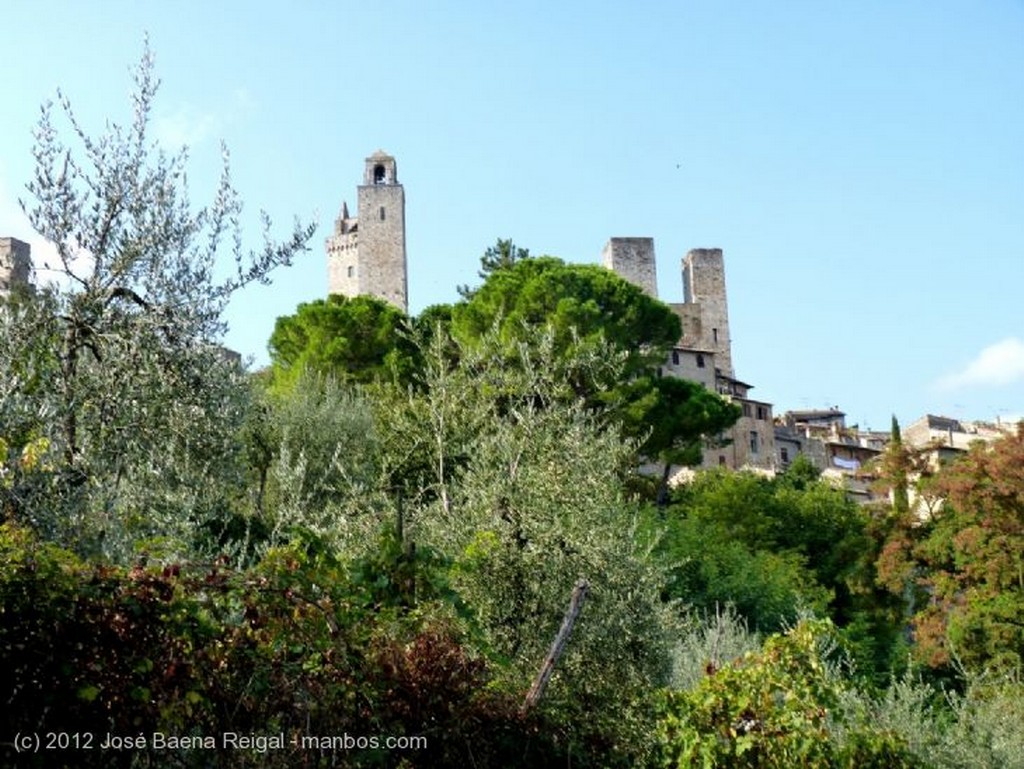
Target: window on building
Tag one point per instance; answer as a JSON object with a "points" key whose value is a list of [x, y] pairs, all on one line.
{"points": [[675, 357], [351, 272], [721, 459], [784, 454], [382, 213], [714, 335], [379, 174], [762, 412], [700, 361], [746, 410], [754, 445]]}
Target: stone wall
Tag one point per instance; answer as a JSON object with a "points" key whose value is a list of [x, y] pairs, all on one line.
{"points": [[752, 440], [343, 259], [690, 318], [704, 285], [633, 259], [694, 365], [381, 269]]}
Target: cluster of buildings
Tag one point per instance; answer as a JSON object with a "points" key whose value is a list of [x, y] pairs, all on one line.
{"points": [[366, 255]]}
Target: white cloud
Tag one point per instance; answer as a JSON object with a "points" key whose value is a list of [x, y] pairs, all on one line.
{"points": [[189, 127], [185, 127], [1001, 363]]}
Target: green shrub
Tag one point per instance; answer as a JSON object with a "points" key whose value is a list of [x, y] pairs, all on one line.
{"points": [[775, 708], [293, 645]]}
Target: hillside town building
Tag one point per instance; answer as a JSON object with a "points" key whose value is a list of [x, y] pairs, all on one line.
{"points": [[704, 352]]}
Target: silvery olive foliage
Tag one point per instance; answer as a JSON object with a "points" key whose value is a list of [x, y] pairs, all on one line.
{"points": [[115, 373], [314, 461], [524, 493]]}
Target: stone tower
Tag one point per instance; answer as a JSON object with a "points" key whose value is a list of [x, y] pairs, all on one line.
{"points": [[366, 253], [633, 259], [704, 291], [15, 264]]}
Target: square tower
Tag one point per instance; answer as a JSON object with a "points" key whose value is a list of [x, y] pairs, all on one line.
{"points": [[704, 295], [15, 264], [366, 254], [632, 259]]}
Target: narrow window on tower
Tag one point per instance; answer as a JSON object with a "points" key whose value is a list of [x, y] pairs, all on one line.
{"points": [[351, 271], [382, 213], [700, 361], [714, 334]]}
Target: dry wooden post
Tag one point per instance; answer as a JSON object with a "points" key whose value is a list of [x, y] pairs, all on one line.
{"points": [[544, 674]]}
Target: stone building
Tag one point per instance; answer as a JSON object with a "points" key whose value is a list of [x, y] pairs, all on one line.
{"points": [[846, 456], [704, 352], [942, 439], [751, 441], [366, 253], [15, 264]]}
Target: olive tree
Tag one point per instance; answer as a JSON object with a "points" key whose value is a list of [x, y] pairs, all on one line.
{"points": [[118, 376], [520, 482]]}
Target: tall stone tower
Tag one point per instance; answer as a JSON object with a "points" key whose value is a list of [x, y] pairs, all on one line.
{"points": [[632, 259], [704, 286], [366, 253], [15, 264]]}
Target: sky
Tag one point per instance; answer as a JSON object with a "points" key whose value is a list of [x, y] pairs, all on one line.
{"points": [[860, 164]]}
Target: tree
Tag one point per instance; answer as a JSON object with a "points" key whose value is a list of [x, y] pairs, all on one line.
{"points": [[969, 558], [592, 311], [580, 302], [719, 545], [357, 339], [312, 454], [898, 466], [502, 255], [766, 546], [672, 418], [119, 368], [509, 473]]}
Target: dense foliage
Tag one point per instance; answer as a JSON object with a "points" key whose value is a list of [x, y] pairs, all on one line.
{"points": [[778, 707], [300, 645], [776, 548], [360, 339], [966, 562], [581, 303], [111, 376]]}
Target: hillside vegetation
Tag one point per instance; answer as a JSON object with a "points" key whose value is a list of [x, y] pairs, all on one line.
{"points": [[362, 555]]}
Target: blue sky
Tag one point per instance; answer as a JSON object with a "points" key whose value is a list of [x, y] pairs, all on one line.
{"points": [[861, 164]]}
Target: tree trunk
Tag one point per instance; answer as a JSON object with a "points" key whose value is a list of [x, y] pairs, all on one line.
{"points": [[557, 647]]}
